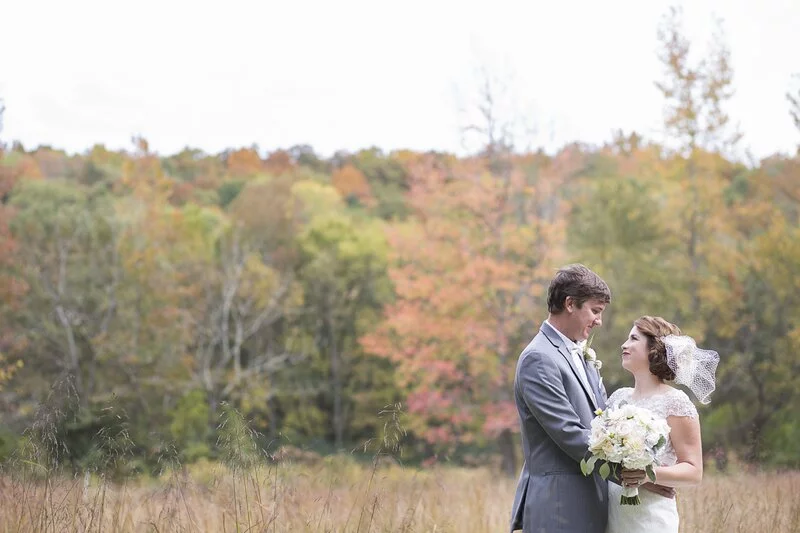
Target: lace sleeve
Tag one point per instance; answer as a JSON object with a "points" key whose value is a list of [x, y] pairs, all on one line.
{"points": [[679, 404], [618, 395]]}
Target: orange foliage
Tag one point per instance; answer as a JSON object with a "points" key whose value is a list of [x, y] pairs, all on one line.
{"points": [[181, 193], [29, 168], [8, 178], [143, 175], [468, 279], [279, 162], [244, 163], [53, 163], [351, 183]]}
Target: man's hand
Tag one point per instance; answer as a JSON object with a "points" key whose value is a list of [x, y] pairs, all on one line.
{"points": [[632, 478], [661, 490]]}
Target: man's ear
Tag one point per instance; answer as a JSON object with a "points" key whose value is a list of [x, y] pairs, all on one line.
{"points": [[569, 304]]}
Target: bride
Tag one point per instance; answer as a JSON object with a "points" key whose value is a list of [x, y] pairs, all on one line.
{"points": [[655, 353]]}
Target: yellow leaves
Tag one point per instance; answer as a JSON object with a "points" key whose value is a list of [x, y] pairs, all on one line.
{"points": [[259, 280], [144, 177], [776, 255], [8, 371], [311, 197], [15, 166], [29, 168]]}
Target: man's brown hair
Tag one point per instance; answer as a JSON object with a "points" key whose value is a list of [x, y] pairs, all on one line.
{"points": [[578, 282]]}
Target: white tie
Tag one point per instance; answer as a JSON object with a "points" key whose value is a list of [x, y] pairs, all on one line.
{"points": [[577, 358]]}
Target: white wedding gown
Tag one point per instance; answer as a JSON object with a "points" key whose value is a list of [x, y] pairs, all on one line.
{"points": [[656, 514]]}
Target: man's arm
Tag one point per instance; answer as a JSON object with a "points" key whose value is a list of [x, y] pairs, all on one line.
{"points": [[543, 392]]}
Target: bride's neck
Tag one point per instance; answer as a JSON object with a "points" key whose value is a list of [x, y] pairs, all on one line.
{"points": [[646, 385]]}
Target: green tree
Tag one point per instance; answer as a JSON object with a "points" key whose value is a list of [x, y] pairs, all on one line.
{"points": [[68, 248], [387, 179], [343, 270]]}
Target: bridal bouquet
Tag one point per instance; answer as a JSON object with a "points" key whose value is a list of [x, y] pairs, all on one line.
{"points": [[626, 436]]}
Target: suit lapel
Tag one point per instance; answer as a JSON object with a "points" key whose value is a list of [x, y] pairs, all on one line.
{"points": [[558, 343], [594, 381]]}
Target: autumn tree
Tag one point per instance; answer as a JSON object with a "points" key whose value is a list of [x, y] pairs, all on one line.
{"points": [[783, 172], [194, 166], [68, 249], [756, 326], [12, 290], [278, 162], [762, 380], [470, 268], [387, 180], [243, 163], [243, 291], [304, 156], [469, 273], [794, 103], [699, 128], [352, 185], [18, 164], [618, 225], [269, 212], [55, 163]]}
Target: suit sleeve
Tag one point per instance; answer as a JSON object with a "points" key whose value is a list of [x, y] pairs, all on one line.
{"points": [[542, 390]]}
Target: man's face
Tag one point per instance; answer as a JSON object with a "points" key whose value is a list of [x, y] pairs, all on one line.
{"points": [[582, 319]]}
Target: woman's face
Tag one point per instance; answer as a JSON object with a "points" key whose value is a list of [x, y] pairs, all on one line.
{"points": [[635, 352]]}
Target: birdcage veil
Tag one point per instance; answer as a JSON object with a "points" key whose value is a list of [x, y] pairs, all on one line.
{"points": [[693, 366]]}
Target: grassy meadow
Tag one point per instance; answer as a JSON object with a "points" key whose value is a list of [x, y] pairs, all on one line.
{"points": [[336, 494]]}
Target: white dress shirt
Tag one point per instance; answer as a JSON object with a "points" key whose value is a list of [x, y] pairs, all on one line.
{"points": [[577, 358]]}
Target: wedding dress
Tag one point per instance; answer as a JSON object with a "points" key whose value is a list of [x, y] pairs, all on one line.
{"points": [[656, 514]]}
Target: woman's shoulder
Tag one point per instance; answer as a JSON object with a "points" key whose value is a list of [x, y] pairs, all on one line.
{"points": [[623, 393], [678, 403]]}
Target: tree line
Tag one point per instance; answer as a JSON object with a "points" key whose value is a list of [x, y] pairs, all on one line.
{"points": [[309, 293]]}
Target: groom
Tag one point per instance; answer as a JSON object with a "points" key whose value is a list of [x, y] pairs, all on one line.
{"points": [[557, 394]]}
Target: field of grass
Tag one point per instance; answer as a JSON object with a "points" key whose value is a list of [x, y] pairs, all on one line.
{"points": [[338, 495]]}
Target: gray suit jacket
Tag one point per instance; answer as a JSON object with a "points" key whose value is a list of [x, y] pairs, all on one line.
{"points": [[555, 411]]}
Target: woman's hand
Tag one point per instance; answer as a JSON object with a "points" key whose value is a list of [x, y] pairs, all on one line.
{"points": [[638, 478], [633, 478]]}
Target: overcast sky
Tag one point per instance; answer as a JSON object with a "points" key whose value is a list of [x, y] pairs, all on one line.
{"points": [[347, 74]]}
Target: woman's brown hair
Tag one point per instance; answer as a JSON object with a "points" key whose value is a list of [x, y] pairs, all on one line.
{"points": [[654, 328]]}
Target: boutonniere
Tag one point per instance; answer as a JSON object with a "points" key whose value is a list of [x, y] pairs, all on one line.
{"points": [[590, 356]]}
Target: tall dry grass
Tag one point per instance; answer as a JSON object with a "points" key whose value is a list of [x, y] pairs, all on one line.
{"points": [[340, 495], [250, 490]]}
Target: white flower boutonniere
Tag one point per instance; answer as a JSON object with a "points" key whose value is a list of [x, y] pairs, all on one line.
{"points": [[590, 356]]}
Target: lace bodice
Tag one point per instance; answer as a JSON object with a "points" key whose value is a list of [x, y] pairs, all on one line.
{"points": [[672, 403]]}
